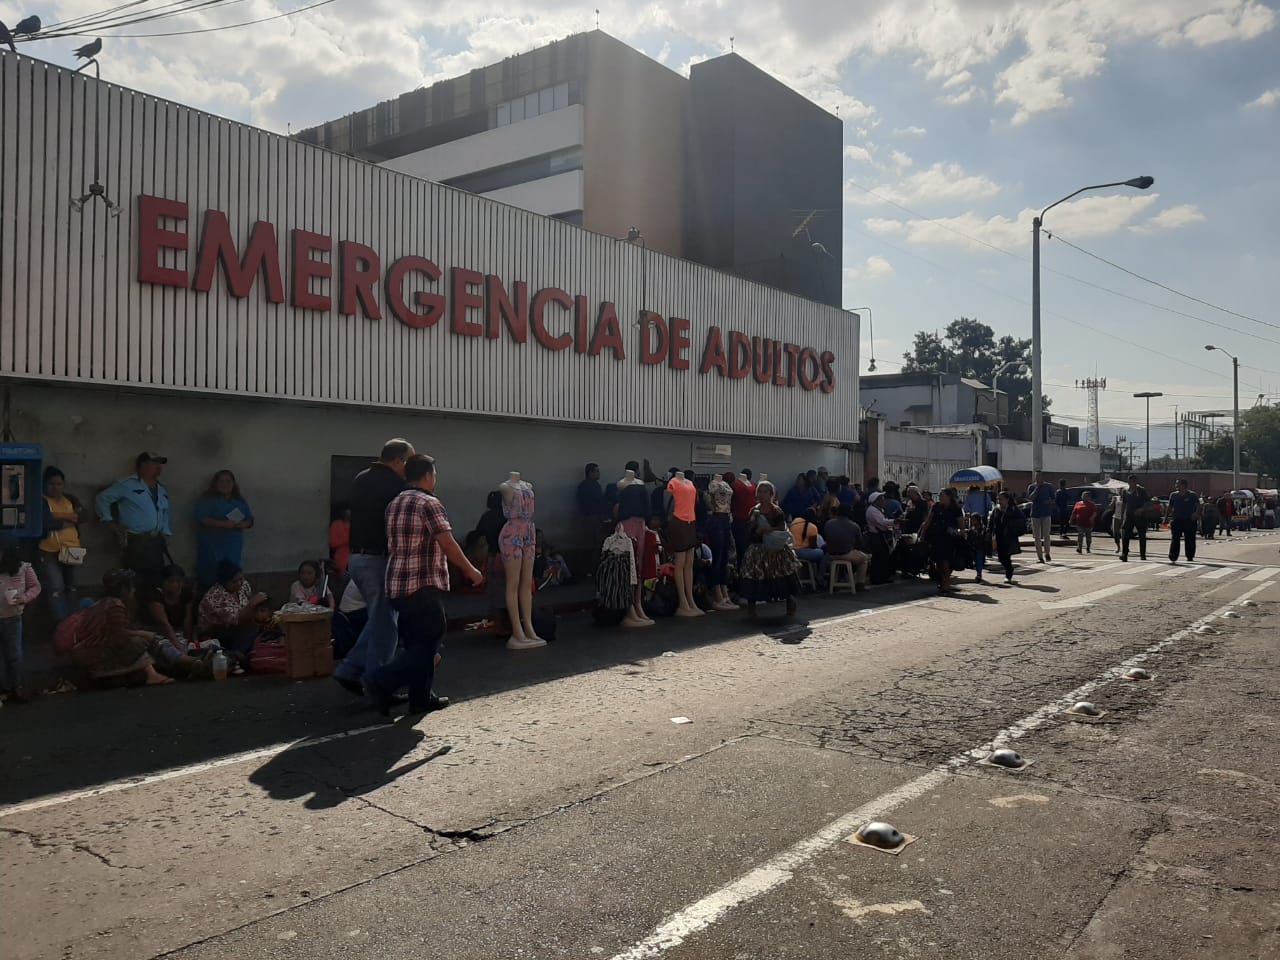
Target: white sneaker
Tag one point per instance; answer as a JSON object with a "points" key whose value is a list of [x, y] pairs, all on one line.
{"points": [[523, 643]]}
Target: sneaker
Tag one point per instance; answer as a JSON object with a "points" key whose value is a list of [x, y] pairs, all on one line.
{"points": [[1079, 550]]}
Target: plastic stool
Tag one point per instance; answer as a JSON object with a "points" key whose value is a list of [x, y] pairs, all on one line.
{"points": [[807, 576], [836, 582]]}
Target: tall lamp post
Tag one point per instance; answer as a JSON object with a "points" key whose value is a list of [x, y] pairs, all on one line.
{"points": [[1147, 397], [1037, 414], [1235, 416]]}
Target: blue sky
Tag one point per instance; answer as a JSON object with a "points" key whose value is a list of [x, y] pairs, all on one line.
{"points": [[968, 114]]}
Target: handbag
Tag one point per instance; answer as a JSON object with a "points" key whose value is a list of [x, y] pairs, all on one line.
{"points": [[777, 540], [71, 556]]}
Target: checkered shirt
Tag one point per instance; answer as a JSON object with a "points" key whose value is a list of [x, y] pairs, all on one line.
{"points": [[414, 519]]}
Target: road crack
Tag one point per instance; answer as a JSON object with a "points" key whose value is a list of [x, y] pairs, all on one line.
{"points": [[39, 842]]}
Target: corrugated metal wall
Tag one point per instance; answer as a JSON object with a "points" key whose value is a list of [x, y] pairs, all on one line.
{"points": [[71, 306]]}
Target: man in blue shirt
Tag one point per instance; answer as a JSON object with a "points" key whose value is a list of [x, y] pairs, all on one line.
{"points": [[1044, 506], [1184, 517], [137, 509]]}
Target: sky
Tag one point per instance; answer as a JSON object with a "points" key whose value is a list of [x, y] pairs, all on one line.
{"points": [[962, 119]]}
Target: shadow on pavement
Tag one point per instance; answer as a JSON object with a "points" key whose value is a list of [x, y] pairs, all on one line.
{"points": [[335, 771], [72, 741]]}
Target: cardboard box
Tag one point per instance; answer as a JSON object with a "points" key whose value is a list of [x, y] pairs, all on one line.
{"points": [[309, 647]]}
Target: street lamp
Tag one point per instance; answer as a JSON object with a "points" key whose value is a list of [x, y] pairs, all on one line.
{"points": [[1235, 417], [1147, 396], [1037, 414]]}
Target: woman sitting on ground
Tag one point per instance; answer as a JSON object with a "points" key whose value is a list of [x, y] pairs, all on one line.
{"points": [[170, 610], [228, 614], [105, 645]]}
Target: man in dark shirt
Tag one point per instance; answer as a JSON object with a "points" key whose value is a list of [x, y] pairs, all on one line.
{"points": [[371, 492], [843, 541], [1133, 503], [1062, 500], [914, 511], [1184, 518]]}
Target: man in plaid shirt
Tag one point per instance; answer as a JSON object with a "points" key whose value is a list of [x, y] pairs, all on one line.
{"points": [[420, 546]]}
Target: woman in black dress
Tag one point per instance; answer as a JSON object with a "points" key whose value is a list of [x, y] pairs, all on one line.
{"points": [[1006, 529], [941, 531]]}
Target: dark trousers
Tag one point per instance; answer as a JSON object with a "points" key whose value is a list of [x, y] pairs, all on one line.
{"points": [[422, 627], [237, 641], [719, 532], [1130, 526], [741, 539], [1181, 531], [1005, 554], [146, 556]]}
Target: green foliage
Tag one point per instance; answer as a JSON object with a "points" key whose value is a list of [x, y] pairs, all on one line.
{"points": [[1259, 444], [970, 348]]}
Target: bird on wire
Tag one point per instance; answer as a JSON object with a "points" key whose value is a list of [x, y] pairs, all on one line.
{"points": [[89, 50], [6, 37], [29, 26]]}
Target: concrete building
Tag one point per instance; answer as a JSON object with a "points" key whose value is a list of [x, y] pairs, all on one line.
{"points": [[728, 167], [932, 399], [252, 302]]}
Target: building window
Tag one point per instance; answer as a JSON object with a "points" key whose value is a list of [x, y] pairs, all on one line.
{"points": [[531, 105], [522, 171]]}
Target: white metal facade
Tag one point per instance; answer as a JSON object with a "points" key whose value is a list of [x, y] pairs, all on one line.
{"points": [[72, 308]]}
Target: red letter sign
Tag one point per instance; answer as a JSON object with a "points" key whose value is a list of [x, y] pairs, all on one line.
{"points": [[676, 356], [358, 276], [217, 245], [652, 357], [462, 299], [540, 332], [304, 269], [713, 357], [608, 334], [498, 307], [432, 303], [152, 238]]}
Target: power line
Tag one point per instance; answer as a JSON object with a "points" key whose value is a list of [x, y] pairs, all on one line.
{"points": [[78, 32], [113, 17], [1162, 286], [1081, 280]]}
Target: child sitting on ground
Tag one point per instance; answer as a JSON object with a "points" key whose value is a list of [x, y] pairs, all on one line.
{"points": [[310, 587]]}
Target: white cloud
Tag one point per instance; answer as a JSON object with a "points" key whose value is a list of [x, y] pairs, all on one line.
{"points": [[877, 267], [1171, 219], [910, 132], [901, 160], [860, 154], [967, 95], [939, 183], [957, 80], [1086, 217], [1268, 99]]}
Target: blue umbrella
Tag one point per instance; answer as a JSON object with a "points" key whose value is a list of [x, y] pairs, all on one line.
{"points": [[977, 475]]}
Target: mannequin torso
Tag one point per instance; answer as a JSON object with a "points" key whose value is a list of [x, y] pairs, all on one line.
{"points": [[519, 536]]}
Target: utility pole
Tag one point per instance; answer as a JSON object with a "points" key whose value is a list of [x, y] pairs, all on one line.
{"points": [[1177, 464], [1120, 442]]}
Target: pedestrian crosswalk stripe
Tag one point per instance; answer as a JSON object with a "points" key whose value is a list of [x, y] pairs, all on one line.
{"points": [[1219, 573], [1265, 574], [1179, 571], [1109, 566]]}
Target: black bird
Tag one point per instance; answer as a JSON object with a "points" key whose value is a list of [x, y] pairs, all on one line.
{"points": [[30, 26], [7, 37], [89, 50]]}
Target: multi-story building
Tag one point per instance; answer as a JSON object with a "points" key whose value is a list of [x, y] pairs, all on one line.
{"points": [[728, 167]]}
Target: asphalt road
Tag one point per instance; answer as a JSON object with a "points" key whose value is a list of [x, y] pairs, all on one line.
{"points": [[557, 811]]}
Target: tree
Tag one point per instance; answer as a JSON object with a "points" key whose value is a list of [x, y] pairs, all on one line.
{"points": [[970, 348], [1259, 444]]}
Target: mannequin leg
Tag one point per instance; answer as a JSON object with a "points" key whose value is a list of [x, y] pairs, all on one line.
{"points": [[526, 597], [513, 569], [684, 585], [691, 563]]}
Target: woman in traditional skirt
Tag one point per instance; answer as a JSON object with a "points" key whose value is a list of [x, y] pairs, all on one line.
{"points": [[105, 644], [770, 564]]}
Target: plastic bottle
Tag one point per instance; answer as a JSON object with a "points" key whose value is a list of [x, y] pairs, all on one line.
{"points": [[219, 665]]}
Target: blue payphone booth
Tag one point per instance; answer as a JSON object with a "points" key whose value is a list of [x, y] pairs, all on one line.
{"points": [[21, 491]]}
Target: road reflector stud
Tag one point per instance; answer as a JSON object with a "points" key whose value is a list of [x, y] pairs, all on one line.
{"points": [[1086, 709], [1231, 615], [880, 836], [1248, 603], [1137, 673], [1006, 759], [1205, 630]]}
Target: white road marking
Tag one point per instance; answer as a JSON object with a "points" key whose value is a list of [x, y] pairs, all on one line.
{"points": [[1116, 565], [1087, 599], [1180, 569], [1265, 574], [1219, 573], [696, 917]]}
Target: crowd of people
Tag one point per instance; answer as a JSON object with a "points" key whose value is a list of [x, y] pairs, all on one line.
{"points": [[680, 544]]}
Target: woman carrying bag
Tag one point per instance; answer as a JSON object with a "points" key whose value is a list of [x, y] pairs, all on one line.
{"points": [[60, 550]]}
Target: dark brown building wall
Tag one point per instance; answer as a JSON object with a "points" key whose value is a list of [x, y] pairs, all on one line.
{"points": [[633, 157]]}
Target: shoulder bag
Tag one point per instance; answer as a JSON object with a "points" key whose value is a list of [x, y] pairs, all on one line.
{"points": [[71, 556]]}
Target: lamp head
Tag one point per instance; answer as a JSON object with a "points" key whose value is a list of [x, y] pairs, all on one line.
{"points": [[1140, 183], [1210, 346], [871, 367]]}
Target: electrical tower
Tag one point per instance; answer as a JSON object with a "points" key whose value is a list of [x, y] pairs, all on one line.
{"points": [[1093, 436]]}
